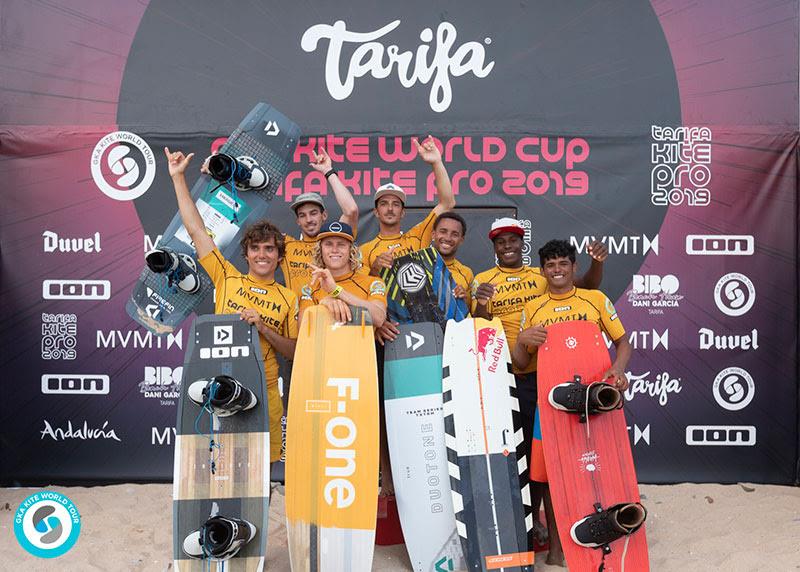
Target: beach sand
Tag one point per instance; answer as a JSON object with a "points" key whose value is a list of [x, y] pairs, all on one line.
{"points": [[690, 527]]}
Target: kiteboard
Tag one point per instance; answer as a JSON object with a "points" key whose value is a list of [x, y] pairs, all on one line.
{"points": [[419, 288], [484, 439], [589, 464], [265, 139], [415, 432], [222, 463], [332, 444]]}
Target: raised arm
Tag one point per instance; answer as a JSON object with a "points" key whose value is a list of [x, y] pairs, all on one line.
{"points": [[429, 153], [344, 199], [594, 276], [177, 163]]}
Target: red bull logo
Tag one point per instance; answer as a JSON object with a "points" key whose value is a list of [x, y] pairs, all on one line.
{"points": [[486, 338]]}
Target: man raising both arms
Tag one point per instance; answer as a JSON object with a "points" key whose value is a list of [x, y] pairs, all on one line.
{"points": [[255, 296], [502, 292], [558, 266]]}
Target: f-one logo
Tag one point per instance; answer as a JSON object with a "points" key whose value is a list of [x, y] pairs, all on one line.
{"points": [[71, 384], [123, 166], [734, 388], [76, 289], [721, 435], [720, 244], [340, 455], [734, 294], [653, 284], [435, 60]]}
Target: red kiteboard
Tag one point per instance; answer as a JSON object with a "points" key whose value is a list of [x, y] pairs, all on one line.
{"points": [[586, 465]]}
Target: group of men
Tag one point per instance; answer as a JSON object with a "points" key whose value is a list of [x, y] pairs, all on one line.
{"points": [[324, 266]]}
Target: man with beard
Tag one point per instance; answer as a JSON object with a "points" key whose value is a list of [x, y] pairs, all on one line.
{"points": [[502, 292]]}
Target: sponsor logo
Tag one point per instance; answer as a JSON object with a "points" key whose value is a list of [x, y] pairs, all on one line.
{"points": [[645, 339], [720, 244], [75, 384], [305, 292], [371, 57], [59, 336], [257, 290], [571, 343], [162, 435], [162, 383], [271, 128], [411, 277], [485, 339], [513, 278], [721, 435], [444, 564], [76, 289], [414, 341], [662, 387], [377, 288], [47, 524], [734, 388], [654, 292], [150, 244], [224, 352], [223, 335], [681, 159], [123, 166], [527, 243], [589, 461], [340, 457], [53, 242], [734, 294], [138, 340], [433, 482], [562, 308], [161, 303], [709, 340], [640, 245], [640, 434], [84, 433]]}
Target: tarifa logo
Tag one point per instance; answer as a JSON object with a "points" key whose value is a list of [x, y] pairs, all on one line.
{"points": [[661, 387], [123, 166], [373, 58], [47, 524]]}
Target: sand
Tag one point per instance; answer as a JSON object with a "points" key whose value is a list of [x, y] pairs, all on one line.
{"points": [[690, 527]]}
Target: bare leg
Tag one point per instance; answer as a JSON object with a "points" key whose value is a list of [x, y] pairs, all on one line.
{"points": [[555, 556]]}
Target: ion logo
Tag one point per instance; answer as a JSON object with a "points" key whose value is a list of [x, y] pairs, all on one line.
{"points": [[734, 388], [721, 435], [734, 294], [47, 524], [123, 166], [71, 384], [76, 289], [224, 352], [411, 277], [720, 244]]}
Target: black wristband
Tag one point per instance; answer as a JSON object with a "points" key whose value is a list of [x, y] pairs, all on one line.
{"points": [[331, 172]]}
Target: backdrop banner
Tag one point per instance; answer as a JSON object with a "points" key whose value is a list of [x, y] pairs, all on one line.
{"points": [[668, 130]]}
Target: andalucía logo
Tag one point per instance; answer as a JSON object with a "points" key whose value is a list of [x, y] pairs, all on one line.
{"points": [[47, 524]]}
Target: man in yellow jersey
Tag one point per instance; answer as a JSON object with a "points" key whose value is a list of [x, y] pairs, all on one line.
{"points": [[502, 292], [335, 280], [558, 265], [255, 296], [309, 208], [390, 201]]}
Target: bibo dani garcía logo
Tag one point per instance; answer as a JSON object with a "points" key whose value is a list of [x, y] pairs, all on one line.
{"points": [[47, 524], [123, 166]]}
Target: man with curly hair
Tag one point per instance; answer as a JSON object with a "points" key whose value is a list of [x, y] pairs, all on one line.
{"points": [[255, 296]]}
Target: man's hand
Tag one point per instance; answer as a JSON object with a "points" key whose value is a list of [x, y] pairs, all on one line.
{"points": [[616, 377], [321, 162], [459, 292], [484, 293], [339, 309], [250, 316], [382, 261], [323, 277], [388, 332], [428, 151], [598, 251], [534, 336], [177, 161]]}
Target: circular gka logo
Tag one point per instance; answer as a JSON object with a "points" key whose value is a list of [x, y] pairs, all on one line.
{"points": [[123, 166], [734, 388], [47, 524], [411, 277], [734, 294]]}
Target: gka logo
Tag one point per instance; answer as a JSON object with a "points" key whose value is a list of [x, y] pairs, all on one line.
{"points": [[734, 294], [411, 277], [373, 58], [47, 524], [123, 166], [734, 388]]}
